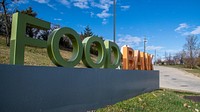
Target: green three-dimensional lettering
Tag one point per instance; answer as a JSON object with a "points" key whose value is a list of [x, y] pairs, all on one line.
{"points": [[81, 50]]}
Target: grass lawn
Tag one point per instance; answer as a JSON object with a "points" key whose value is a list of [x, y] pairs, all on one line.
{"points": [[157, 101], [195, 71], [34, 56]]}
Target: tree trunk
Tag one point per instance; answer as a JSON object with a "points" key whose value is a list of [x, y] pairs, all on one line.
{"points": [[191, 57], [6, 24]]}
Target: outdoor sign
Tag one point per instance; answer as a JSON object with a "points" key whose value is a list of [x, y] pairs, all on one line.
{"points": [[68, 89], [132, 59], [136, 60], [80, 50]]}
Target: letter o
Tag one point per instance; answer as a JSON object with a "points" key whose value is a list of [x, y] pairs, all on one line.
{"points": [[111, 46], [53, 47], [87, 42]]}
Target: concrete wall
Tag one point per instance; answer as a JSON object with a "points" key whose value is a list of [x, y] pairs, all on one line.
{"points": [[58, 89]]}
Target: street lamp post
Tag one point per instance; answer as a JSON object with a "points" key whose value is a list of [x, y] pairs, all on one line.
{"points": [[114, 20]]}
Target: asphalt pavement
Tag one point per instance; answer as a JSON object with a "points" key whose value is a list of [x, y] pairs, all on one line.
{"points": [[173, 78]]}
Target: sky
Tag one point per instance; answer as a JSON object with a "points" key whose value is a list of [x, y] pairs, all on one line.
{"points": [[165, 23]]}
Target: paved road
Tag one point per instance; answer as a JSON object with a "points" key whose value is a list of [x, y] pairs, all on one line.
{"points": [[173, 78]]}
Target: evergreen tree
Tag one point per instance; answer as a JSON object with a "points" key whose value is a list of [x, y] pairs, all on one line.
{"points": [[87, 32], [29, 11], [30, 30], [81, 36]]}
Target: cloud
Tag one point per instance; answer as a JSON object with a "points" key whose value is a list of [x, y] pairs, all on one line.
{"points": [[129, 40], [42, 1], [104, 21], [65, 2], [184, 29], [83, 4], [171, 51], [57, 19], [103, 14], [125, 7], [186, 33], [91, 14], [104, 5], [47, 3], [20, 1], [52, 6], [181, 27], [196, 31], [13, 5], [154, 47]]}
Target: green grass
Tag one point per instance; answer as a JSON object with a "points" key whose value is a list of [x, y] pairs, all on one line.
{"points": [[34, 56], [157, 101], [4, 54], [176, 66], [194, 71]]}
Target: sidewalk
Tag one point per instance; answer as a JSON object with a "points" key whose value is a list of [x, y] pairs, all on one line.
{"points": [[173, 78]]}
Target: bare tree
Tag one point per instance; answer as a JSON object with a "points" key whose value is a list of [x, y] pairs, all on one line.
{"points": [[2, 25], [178, 57], [43, 34], [6, 21], [169, 59], [191, 48]]}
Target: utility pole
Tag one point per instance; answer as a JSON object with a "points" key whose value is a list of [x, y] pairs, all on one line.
{"points": [[145, 40], [155, 57], [166, 59], [114, 20]]}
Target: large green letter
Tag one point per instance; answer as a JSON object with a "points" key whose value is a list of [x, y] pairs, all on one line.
{"points": [[19, 39], [112, 47], [87, 42], [53, 47]]}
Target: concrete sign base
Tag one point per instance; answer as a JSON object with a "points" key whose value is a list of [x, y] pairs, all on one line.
{"points": [[58, 89]]}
